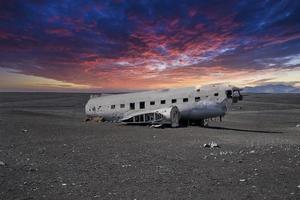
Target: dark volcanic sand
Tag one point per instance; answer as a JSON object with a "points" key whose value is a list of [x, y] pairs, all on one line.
{"points": [[62, 157]]}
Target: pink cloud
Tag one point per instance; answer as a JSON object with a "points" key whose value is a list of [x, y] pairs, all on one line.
{"points": [[62, 32]]}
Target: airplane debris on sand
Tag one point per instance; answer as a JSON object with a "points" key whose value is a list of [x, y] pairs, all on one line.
{"points": [[174, 107]]}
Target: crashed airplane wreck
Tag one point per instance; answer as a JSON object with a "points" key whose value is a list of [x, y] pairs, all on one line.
{"points": [[173, 107]]}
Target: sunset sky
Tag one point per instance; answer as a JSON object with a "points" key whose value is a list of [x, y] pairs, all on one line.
{"points": [[117, 45]]}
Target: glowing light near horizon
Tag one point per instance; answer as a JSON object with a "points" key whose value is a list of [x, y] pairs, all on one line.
{"points": [[12, 81]]}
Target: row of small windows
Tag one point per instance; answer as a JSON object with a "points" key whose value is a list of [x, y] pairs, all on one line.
{"points": [[114, 106], [152, 103]]}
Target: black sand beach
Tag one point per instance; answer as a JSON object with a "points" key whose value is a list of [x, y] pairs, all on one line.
{"points": [[47, 151]]}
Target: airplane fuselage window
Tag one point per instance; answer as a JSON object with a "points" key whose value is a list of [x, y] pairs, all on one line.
{"points": [[142, 105], [137, 119], [152, 103], [132, 106], [174, 100], [122, 105], [163, 101], [113, 106], [185, 100], [216, 94], [197, 99], [229, 94]]}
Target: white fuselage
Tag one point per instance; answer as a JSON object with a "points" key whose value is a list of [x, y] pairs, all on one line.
{"points": [[194, 103]]}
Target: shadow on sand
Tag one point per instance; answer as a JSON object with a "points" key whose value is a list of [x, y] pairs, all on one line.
{"points": [[243, 130]]}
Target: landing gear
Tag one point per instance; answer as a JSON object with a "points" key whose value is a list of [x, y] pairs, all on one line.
{"points": [[175, 117], [203, 122]]}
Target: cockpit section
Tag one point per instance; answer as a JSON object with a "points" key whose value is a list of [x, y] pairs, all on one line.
{"points": [[234, 94], [229, 94]]}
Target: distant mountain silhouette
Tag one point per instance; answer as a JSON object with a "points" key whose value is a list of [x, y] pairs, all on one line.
{"points": [[279, 88]]}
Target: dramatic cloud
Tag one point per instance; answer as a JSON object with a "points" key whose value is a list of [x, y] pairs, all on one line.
{"points": [[122, 44]]}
